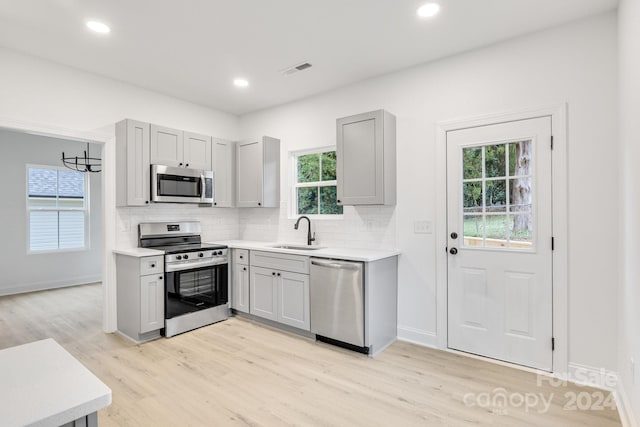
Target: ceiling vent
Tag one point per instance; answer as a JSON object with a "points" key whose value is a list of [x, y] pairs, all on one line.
{"points": [[294, 69]]}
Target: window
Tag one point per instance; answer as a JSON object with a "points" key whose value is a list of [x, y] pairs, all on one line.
{"points": [[314, 189], [57, 208]]}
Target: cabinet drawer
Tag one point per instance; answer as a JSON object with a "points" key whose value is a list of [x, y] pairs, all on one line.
{"points": [[151, 265], [241, 256], [284, 262]]}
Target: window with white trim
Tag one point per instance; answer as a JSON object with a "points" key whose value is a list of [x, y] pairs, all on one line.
{"points": [[314, 183], [57, 208]]}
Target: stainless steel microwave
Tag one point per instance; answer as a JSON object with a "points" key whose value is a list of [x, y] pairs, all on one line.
{"points": [[181, 185]]}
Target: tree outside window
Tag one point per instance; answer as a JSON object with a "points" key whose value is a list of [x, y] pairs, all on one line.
{"points": [[315, 183]]}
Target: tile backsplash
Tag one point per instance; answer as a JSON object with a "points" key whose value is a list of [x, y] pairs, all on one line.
{"points": [[360, 227]]}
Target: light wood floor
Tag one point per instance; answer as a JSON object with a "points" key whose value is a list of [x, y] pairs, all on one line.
{"points": [[240, 373]]}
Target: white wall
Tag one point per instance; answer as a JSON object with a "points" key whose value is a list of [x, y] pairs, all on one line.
{"points": [[629, 130], [35, 90], [22, 272], [576, 64]]}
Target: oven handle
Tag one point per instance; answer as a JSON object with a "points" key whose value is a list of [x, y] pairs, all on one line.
{"points": [[169, 267]]}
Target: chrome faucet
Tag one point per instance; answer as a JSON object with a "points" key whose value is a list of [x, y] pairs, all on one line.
{"points": [[309, 238]]}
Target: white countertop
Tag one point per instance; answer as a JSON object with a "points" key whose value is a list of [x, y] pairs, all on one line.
{"points": [[41, 384], [138, 252], [366, 255]]}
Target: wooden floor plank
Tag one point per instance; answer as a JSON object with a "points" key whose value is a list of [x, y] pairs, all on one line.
{"points": [[240, 373]]}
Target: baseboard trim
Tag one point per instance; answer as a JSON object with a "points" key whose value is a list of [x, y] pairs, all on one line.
{"points": [[605, 380], [43, 286], [624, 406], [418, 337]]}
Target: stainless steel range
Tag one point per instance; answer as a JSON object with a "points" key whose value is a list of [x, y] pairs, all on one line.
{"points": [[196, 275]]}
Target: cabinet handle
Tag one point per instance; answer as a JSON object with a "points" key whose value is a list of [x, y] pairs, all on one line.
{"points": [[278, 274], [153, 266], [215, 204], [146, 201], [273, 274], [241, 257], [259, 204], [338, 201], [160, 278], [187, 165], [244, 268], [180, 164]]}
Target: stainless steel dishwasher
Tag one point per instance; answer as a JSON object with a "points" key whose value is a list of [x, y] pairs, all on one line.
{"points": [[336, 292]]}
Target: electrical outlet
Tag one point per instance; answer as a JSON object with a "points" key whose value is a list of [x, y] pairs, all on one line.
{"points": [[422, 227]]}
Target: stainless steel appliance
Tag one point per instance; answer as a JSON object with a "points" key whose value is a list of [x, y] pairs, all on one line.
{"points": [[181, 185], [196, 275], [337, 302]]}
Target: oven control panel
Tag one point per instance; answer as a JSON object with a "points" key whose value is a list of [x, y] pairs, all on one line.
{"points": [[197, 256]]}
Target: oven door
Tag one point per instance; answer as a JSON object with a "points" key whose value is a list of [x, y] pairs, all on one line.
{"points": [[195, 289], [181, 185]]}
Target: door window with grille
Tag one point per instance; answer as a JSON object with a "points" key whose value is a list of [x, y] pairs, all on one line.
{"points": [[498, 195]]}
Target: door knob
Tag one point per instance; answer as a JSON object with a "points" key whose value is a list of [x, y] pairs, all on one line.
{"points": [[453, 251], [454, 235]]}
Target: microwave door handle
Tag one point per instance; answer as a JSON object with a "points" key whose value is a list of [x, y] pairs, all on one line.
{"points": [[203, 187]]}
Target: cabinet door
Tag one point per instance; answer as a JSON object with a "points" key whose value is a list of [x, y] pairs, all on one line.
{"points": [[293, 299], [223, 165], [263, 296], [197, 151], [249, 174], [360, 161], [151, 303], [240, 288], [167, 146], [137, 179]]}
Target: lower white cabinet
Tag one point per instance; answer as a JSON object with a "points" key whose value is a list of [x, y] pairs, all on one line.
{"points": [[264, 293], [151, 303], [140, 295], [239, 282], [281, 296], [293, 299]]}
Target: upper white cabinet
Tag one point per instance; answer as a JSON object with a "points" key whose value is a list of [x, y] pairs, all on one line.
{"points": [[258, 173], [197, 151], [366, 159], [172, 147], [223, 167], [132, 163]]}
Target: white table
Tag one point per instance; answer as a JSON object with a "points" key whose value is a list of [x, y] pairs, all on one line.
{"points": [[41, 384]]}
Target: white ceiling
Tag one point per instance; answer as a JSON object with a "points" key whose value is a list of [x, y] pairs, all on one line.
{"points": [[192, 49]]}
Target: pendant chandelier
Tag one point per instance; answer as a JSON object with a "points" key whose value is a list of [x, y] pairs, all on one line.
{"points": [[84, 163]]}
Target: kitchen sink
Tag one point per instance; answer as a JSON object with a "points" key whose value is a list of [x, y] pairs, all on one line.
{"points": [[296, 247]]}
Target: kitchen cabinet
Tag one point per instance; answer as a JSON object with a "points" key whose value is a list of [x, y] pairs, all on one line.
{"points": [[197, 151], [140, 295], [173, 147], [280, 294], [240, 280], [366, 159], [223, 167], [263, 296], [258, 173], [132, 163]]}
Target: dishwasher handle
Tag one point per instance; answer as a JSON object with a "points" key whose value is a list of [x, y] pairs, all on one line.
{"points": [[344, 265]]}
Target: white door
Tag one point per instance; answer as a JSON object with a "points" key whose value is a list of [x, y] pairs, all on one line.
{"points": [[293, 299], [249, 174], [500, 241], [167, 146], [263, 294]]}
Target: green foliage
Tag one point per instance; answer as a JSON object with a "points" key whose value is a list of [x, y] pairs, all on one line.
{"points": [[317, 167]]}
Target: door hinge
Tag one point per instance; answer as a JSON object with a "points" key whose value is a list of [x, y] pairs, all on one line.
{"points": [[552, 142], [553, 243], [553, 344]]}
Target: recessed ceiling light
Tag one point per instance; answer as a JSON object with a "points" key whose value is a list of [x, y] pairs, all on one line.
{"points": [[98, 27], [241, 82], [428, 10]]}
